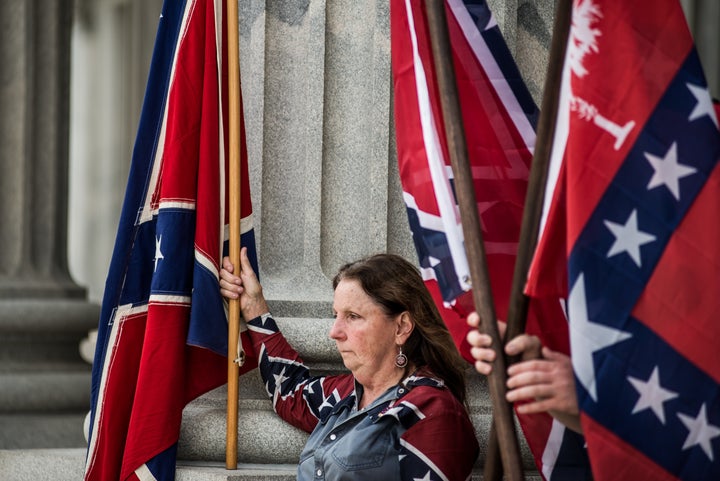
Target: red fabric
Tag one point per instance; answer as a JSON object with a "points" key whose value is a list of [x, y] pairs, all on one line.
{"points": [[615, 459], [641, 318]]}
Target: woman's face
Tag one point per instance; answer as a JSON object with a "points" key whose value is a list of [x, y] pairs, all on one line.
{"points": [[364, 335]]}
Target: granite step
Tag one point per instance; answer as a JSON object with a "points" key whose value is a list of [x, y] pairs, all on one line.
{"points": [[67, 465]]}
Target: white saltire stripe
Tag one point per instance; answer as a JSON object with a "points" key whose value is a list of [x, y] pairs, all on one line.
{"points": [[208, 263], [441, 184], [487, 62], [260, 330], [562, 130], [425, 459], [552, 448], [414, 408], [246, 225], [143, 473]]}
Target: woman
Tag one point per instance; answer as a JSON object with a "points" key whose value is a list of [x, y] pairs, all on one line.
{"points": [[400, 414]]}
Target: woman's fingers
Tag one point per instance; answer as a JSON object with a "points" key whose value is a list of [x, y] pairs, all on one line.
{"points": [[230, 284], [227, 265]]}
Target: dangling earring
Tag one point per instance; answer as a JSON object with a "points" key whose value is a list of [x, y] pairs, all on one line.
{"points": [[401, 359]]}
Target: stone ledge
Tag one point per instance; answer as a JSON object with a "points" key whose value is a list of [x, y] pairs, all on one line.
{"points": [[68, 317], [42, 431], [188, 471], [45, 388], [68, 465], [44, 330], [310, 338], [35, 464]]}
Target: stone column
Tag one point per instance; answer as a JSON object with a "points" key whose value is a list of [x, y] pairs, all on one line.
{"points": [[325, 182], [43, 313]]}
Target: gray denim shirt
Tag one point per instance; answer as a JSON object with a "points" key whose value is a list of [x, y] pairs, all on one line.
{"points": [[354, 443]]}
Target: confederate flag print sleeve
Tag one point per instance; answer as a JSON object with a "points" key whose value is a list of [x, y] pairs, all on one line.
{"points": [[439, 441], [298, 398]]}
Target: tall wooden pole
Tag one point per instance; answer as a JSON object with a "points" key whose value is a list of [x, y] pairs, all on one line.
{"points": [[482, 296], [234, 226], [529, 230]]}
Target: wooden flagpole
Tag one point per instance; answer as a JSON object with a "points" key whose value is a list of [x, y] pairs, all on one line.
{"points": [[529, 230], [234, 226], [482, 295]]}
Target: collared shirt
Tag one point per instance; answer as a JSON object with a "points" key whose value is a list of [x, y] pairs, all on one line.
{"points": [[416, 430]]}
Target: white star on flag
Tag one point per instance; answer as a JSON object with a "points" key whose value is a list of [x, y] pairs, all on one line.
{"points": [[424, 478], [310, 389], [393, 411], [652, 395], [587, 337], [158, 253], [701, 432], [628, 238], [668, 171], [704, 104], [326, 403], [280, 378]]}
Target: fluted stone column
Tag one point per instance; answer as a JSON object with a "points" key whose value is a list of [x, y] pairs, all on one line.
{"points": [[44, 384]]}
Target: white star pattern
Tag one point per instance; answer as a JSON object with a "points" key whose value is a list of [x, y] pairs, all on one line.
{"points": [[158, 252], [668, 171], [393, 411], [424, 478], [701, 432], [628, 238], [652, 395], [279, 379], [326, 403], [587, 337], [704, 104], [310, 389]]}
